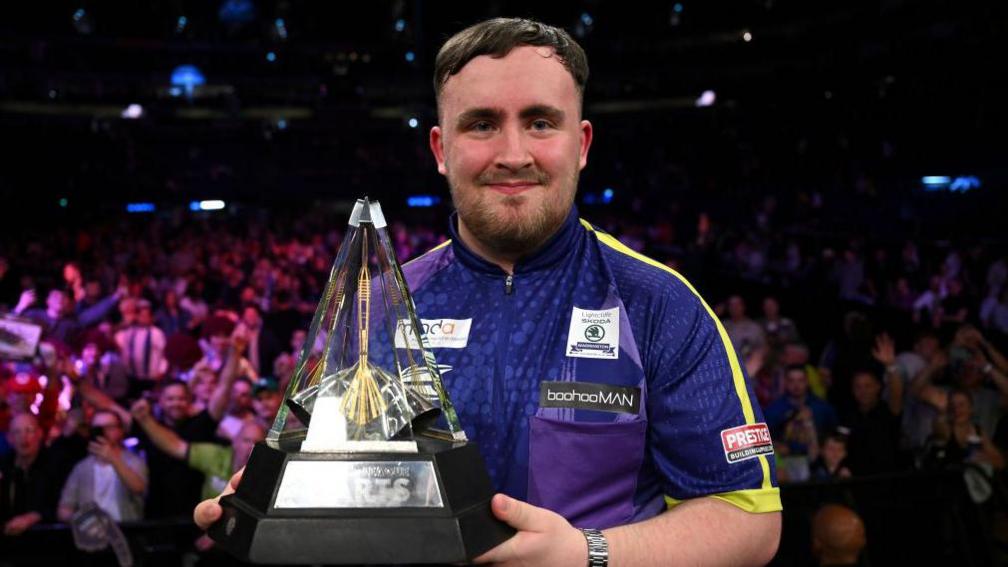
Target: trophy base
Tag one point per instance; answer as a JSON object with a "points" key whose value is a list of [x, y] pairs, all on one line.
{"points": [[428, 507]]}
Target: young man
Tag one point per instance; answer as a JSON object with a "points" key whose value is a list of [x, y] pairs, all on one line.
{"points": [[111, 477], [547, 307]]}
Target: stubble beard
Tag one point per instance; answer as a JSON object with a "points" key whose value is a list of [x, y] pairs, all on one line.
{"points": [[511, 229]]}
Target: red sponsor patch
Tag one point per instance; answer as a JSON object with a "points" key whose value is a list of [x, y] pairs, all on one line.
{"points": [[746, 442]]}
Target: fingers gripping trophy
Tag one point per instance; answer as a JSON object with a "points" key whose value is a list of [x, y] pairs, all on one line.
{"points": [[366, 461]]}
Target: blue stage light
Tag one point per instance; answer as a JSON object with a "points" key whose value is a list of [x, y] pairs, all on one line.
{"points": [[187, 78], [140, 208], [236, 11], [410, 56], [422, 200]]}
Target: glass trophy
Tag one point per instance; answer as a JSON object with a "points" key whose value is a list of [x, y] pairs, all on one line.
{"points": [[366, 462]]}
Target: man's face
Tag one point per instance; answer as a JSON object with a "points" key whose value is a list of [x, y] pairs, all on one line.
{"points": [[866, 389], [174, 402], [54, 301], [796, 384], [511, 143], [112, 431], [833, 452], [242, 444], [736, 307], [25, 435], [241, 396], [266, 404]]}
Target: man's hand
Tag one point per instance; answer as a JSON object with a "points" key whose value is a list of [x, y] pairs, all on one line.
{"points": [[141, 410], [25, 301], [209, 511], [543, 538], [885, 350], [105, 452], [20, 523]]}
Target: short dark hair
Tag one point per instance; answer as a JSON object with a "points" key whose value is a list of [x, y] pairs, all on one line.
{"points": [[497, 37]]}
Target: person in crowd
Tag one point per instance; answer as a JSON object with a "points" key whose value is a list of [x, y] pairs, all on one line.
{"points": [[746, 334], [142, 348], [268, 398], [240, 408], [832, 461], [29, 483], [111, 476], [873, 444], [957, 439], [798, 419], [102, 366], [170, 317], [779, 330], [58, 319], [838, 536], [263, 345]]}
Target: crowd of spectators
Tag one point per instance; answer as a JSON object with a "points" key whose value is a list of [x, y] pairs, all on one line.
{"points": [[166, 346]]}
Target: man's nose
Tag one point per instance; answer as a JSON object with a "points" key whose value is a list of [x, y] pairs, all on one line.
{"points": [[514, 152]]}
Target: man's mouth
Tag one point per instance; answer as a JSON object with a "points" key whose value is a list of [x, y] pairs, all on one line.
{"points": [[512, 187]]}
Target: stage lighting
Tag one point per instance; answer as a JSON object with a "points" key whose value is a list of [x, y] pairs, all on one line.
{"points": [[82, 22], [271, 57], [209, 205], [63, 202], [587, 19], [746, 36], [281, 124], [280, 27], [400, 25], [132, 112], [181, 23], [140, 208], [410, 57], [413, 122], [707, 98], [677, 8], [187, 78], [964, 183], [607, 195], [422, 200]]}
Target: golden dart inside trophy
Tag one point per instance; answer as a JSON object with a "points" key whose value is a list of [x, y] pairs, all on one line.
{"points": [[366, 461]]}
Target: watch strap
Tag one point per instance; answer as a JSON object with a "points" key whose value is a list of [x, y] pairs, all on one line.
{"points": [[598, 548]]}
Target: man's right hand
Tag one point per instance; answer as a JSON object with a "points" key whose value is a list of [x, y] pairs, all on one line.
{"points": [[209, 511], [141, 410]]}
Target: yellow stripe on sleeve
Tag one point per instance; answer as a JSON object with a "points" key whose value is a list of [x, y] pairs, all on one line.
{"points": [[738, 378]]}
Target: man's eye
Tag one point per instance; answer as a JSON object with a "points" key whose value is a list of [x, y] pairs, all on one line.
{"points": [[481, 126], [541, 124]]}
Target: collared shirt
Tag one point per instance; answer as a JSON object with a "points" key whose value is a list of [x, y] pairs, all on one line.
{"points": [[596, 382]]}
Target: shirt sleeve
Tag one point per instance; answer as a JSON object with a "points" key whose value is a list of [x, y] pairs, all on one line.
{"points": [[209, 458], [70, 495], [706, 435]]}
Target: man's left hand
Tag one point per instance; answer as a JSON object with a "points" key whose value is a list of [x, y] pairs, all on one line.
{"points": [[544, 537]]}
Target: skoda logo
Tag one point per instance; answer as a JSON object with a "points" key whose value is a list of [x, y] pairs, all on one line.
{"points": [[594, 333]]}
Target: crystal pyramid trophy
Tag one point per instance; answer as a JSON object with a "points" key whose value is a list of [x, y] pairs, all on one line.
{"points": [[366, 462]]}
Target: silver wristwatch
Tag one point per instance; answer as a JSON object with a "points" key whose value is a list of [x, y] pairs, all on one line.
{"points": [[598, 548]]}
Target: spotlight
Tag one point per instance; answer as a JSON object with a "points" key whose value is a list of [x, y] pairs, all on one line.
{"points": [[210, 205], [181, 23], [271, 57], [132, 112], [280, 27], [236, 12], [707, 98], [746, 36], [400, 25], [186, 78], [413, 122], [140, 207], [410, 57]]}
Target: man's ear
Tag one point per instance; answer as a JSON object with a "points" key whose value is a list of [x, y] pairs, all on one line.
{"points": [[437, 148], [586, 140]]}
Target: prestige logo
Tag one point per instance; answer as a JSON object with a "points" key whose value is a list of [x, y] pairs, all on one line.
{"points": [[746, 442], [587, 395]]}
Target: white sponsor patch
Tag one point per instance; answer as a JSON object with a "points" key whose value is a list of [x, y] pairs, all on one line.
{"points": [[746, 442], [437, 333], [594, 334]]}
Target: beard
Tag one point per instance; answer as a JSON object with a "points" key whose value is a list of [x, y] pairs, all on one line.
{"points": [[509, 225]]}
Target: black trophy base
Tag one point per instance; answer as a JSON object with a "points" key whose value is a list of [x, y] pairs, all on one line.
{"points": [[257, 527]]}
